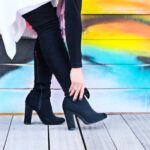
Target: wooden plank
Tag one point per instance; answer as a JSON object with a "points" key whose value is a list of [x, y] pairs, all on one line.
{"points": [[9, 98], [121, 134], [115, 27], [104, 100], [116, 7], [127, 48], [23, 137], [96, 136], [4, 126], [95, 26], [118, 100], [140, 125], [96, 76], [61, 138]]}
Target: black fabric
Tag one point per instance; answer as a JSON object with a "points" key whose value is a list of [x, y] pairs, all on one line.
{"points": [[44, 18], [73, 30], [42, 75], [52, 47]]}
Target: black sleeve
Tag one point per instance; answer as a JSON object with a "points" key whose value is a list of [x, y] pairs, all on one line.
{"points": [[73, 30]]}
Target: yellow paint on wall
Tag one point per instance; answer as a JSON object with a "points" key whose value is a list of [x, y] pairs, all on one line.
{"points": [[116, 7]]}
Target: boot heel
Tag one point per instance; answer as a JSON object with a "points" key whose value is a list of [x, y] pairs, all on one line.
{"points": [[28, 114], [70, 120]]}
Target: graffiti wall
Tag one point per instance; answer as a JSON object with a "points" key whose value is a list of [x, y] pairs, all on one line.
{"points": [[115, 56]]}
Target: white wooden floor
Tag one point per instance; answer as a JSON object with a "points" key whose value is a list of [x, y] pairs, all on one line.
{"points": [[117, 132]]}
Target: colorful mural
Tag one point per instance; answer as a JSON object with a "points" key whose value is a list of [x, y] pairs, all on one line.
{"points": [[116, 7], [116, 60]]}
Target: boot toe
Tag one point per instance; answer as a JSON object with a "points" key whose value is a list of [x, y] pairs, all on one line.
{"points": [[102, 116], [60, 120]]}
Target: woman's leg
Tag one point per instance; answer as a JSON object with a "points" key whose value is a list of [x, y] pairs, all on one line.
{"points": [[46, 23], [42, 75], [39, 96]]}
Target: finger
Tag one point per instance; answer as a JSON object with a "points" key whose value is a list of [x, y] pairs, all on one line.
{"points": [[72, 92], [73, 89], [71, 86], [77, 93], [81, 93]]}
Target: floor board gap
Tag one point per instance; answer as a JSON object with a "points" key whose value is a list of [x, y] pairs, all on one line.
{"points": [[133, 131], [110, 136], [80, 130], [8, 132], [48, 133]]}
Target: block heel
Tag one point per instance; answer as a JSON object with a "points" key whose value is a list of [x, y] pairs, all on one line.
{"points": [[70, 120], [28, 114]]}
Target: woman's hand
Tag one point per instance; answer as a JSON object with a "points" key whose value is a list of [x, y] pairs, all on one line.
{"points": [[77, 83]]}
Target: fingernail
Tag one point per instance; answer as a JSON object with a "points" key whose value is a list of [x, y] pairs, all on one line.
{"points": [[81, 98]]}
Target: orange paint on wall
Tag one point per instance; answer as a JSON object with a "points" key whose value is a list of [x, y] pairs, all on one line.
{"points": [[118, 29]]}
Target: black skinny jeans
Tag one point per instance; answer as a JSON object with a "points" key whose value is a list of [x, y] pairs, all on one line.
{"points": [[51, 47]]}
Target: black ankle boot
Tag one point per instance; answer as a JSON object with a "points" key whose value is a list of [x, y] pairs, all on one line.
{"points": [[82, 109], [38, 100]]}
